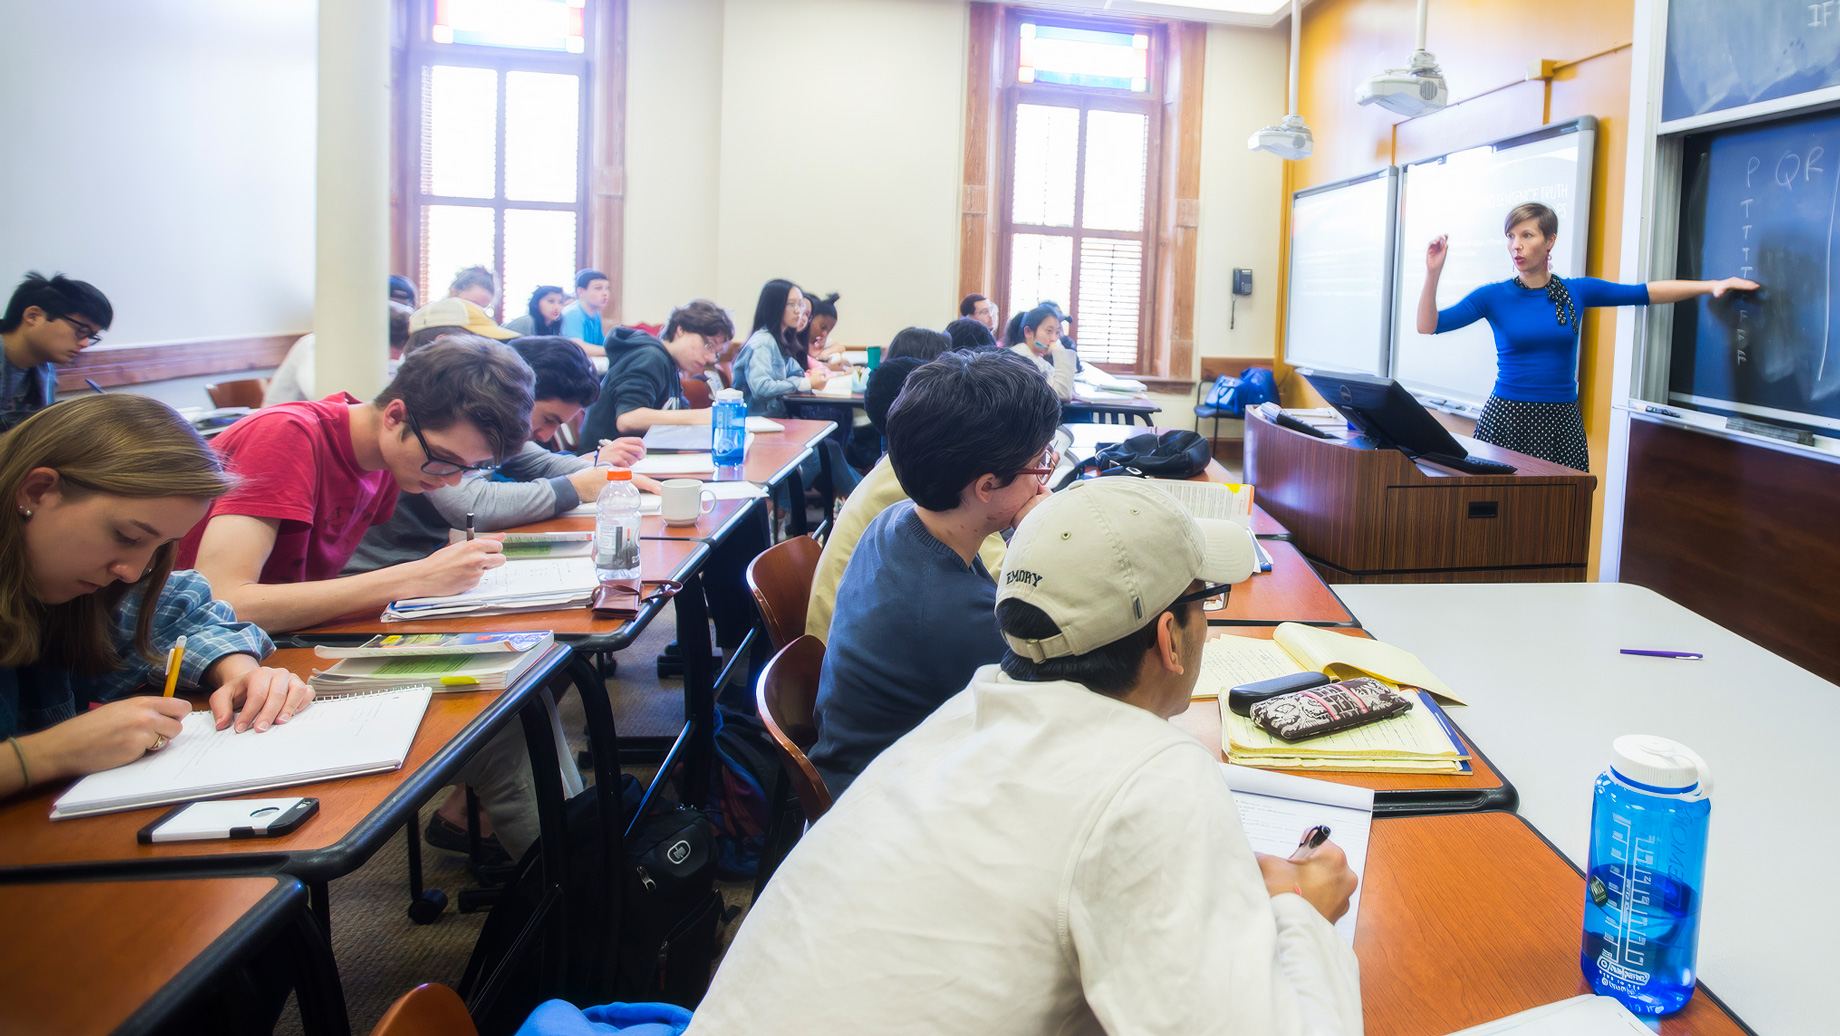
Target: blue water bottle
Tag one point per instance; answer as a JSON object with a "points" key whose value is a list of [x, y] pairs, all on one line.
{"points": [[1646, 876], [730, 420]]}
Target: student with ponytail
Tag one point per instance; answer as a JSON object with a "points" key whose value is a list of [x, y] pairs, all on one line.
{"points": [[98, 491]]}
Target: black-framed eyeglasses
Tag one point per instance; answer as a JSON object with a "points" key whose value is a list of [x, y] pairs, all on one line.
{"points": [[437, 466], [1206, 593], [85, 333]]}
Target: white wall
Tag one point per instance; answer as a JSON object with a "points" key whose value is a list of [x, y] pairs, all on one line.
{"points": [[163, 150]]}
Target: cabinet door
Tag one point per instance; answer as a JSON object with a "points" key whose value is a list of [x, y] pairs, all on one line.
{"points": [[1481, 527]]}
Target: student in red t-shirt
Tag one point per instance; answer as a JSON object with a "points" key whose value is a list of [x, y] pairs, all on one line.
{"points": [[317, 475]]}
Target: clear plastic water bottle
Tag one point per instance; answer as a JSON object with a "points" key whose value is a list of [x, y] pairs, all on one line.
{"points": [[616, 528], [1646, 876], [729, 415]]}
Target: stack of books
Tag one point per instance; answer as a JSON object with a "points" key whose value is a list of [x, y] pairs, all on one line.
{"points": [[443, 661], [1419, 740]]}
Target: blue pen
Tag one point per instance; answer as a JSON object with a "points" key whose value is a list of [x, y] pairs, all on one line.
{"points": [[1663, 654]]}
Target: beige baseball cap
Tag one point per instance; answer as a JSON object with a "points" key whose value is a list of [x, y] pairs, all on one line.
{"points": [[452, 312], [1104, 557]]}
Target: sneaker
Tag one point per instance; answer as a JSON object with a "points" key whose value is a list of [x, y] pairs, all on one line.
{"points": [[445, 834]]}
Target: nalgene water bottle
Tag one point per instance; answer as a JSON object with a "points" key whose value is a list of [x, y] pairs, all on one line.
{"points": [[1646, 876], [730, 420]]}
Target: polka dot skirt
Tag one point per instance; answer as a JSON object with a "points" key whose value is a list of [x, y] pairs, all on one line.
{"points": [[1549, 431]]}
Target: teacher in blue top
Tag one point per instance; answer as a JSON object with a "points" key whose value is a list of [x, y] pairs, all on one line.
{"points": [[1534, 406]]}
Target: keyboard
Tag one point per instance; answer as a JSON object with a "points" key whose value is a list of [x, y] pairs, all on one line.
{"points": [[1473, 465]]}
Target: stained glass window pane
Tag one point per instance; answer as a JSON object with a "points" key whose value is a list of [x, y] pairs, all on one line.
{"points": [[1084, 57], [542, 130], [1115, 165], [1046, 160], [459, 131], [1040, 267], [529, 24], [539, 249], [454, 237], [1111, 297]]}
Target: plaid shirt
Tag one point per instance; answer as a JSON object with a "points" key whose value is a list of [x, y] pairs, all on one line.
{"points": [[24, 392], [36, 696]]}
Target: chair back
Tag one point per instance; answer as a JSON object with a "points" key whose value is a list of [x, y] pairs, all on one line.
{"points": [[780, 578], [427, 1010], [696, 391], [787, 699], [247, 392]]}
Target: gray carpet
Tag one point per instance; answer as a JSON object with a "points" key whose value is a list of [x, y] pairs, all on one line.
{"points": [[381, 954]]}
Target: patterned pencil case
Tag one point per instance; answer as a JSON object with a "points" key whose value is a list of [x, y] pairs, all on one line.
{"points": [[1324, 710]]}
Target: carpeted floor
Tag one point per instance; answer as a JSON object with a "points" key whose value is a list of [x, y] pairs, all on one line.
{"points": [[381, 954]]}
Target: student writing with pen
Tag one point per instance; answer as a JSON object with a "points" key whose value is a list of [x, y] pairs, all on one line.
{"points": [[98, 489]]}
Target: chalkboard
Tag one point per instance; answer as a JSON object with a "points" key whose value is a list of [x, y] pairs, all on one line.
{"points": [[1466, 194], [1339, 293], [1761, 201], [1727, 53]]}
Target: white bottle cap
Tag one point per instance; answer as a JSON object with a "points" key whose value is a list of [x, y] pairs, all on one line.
{"points": [[1668, 766], [729, 393]]}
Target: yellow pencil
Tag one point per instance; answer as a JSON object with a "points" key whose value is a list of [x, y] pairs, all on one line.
{"points": [[173, 658]]}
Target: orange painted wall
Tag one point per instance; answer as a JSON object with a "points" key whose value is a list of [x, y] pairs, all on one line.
{"points": [[1484, 48]]}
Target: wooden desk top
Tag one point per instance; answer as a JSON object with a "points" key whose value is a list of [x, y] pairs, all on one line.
{"points": [[658, 559], [1482, 788], [1469, 917], [86, 956], [30, 839], [711, 526], [798, 432], [766, 463], [1290, 592], [1265, 527]]}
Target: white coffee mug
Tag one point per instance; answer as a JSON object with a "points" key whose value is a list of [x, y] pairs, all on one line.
{"points": [[683, 500]]}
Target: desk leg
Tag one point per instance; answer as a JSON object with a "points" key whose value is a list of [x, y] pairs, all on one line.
{"points": [[796, 525], [319, 903], [558, 938], [316, 981], [699, 688], [830, 480]]}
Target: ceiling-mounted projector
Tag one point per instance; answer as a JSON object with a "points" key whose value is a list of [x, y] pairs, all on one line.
{"points": [[1290, 139], [1414, 91]]}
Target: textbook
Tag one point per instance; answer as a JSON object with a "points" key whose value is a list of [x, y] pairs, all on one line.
{"points": [[1419, 740], [330, 738], [1229, 500], [399, 645], [454, 671], [1275, 809], [530, 585]]}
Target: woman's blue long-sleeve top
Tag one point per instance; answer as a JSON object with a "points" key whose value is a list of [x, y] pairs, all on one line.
{"points": [[39, 695], [1536, 356]]}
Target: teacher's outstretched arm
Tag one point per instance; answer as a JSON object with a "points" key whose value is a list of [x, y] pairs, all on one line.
{"points": [[1663, 292], [1435, 254]]}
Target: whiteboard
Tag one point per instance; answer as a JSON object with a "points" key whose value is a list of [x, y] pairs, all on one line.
{"points": [[1466, 194], [1340, 286]]}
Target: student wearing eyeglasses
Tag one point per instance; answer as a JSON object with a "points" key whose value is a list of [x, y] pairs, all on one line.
{"points": [[317, 475], [47, 322], [968, 438]]}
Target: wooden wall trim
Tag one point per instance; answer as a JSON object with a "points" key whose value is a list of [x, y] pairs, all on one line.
{"points": [[1188, 49], [1741, 534], [111, 365], [607, 138], [977, 231]]}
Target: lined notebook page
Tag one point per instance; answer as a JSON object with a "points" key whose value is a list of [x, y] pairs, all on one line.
{"points": [[332, 737], [1228, 661], [1319, 649], [1277, 808]]}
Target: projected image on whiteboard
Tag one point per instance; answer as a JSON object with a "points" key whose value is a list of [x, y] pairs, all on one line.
{"points": [[1340, 284], [1466, 195]]}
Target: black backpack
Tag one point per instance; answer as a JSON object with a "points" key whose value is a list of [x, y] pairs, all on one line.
{"points": [[663, 922]]}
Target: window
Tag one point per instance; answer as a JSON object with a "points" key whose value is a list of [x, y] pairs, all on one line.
{"points": [[497, 157], [1080, 155]]}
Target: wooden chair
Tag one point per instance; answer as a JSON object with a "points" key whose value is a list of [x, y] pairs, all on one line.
{"points": [[427, 1010], [247, 392], [787, 698], [780, 578], [696, 391]]}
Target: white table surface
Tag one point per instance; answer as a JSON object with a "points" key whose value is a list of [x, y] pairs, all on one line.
{"points": [[1548, 692]]}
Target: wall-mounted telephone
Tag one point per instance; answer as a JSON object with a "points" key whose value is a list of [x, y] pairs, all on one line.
{"points": [[1242, 285]]}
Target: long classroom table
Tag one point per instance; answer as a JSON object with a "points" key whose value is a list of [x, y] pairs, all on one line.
{"points": [[1395, 794], [1469, 917]]}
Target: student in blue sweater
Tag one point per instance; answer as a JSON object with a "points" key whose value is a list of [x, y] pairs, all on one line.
{"points": [[968, 438], [1535, 316]]}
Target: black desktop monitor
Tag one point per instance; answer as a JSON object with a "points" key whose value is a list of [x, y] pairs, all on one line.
{"points": [[1386, 413]]}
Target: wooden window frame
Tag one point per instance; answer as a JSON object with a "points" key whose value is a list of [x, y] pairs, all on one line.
{"points": [[1085, 99], [600, 156]]}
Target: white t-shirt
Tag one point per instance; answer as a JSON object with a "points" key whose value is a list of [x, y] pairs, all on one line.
{"points": [[1033, 858], [293, 380]]}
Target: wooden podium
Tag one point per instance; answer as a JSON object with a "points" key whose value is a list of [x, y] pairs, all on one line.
{"points": [[1366, 515]]}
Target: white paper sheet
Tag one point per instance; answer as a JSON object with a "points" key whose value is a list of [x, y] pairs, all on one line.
{"points": [[1277, 808], [1580, 1016]]}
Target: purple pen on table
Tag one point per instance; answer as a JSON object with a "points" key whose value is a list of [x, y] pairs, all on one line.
{"points": [[1663, 654]]}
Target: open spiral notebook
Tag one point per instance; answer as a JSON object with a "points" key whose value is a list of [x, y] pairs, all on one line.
{"points": [[333, 737]]}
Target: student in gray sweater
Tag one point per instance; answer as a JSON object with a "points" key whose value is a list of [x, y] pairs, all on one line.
{"points": [[532, 485]]}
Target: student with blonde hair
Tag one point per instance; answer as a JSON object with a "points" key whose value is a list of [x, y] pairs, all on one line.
{"points": [[99, 490]]}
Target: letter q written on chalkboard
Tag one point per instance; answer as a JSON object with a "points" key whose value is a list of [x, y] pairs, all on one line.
{"points": [[1762, 201]]}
